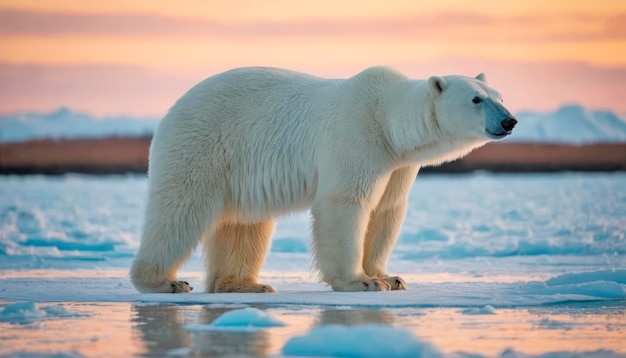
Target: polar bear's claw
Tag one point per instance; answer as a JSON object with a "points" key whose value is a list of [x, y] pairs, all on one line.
{"points": [[267, 289], [390, 283], [396, 282], [377, 285], [180, 287]]}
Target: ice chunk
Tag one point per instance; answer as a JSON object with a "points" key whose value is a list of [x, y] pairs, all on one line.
{"points": [[60, 311], [603, 289], [21, 312], [601, 353], [179, 352], [618, 276], [601, 284], [28, 312], [555, 324], [243, 320], [487, 309], [359, 341]]}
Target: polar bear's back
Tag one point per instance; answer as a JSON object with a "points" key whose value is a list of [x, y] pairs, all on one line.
{"points": [[252, 133], [255, 98]]}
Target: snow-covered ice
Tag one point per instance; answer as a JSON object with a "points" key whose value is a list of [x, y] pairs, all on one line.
{"points": [[570, 124], [303, 289], [554, 223], [65, 123], [496, 265]]}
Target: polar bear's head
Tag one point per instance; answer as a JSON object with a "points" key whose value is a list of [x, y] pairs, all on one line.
{"points": [[467, 106]]}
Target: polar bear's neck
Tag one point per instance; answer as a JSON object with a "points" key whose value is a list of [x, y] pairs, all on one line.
{"points": [[413, 130], [436, 153]]}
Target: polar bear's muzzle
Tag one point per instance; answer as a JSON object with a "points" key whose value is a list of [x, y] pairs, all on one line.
{"points": [[500, 122], [506, 128]]}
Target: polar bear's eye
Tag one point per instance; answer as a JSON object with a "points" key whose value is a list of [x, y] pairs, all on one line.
{"points": [[477, 100]]}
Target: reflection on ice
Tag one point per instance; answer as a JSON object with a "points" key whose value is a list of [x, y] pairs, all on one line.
{"points": [[124, 329]]}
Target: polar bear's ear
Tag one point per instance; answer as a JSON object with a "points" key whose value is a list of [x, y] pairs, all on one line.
{"points": [[436, 85], [482, 77]]}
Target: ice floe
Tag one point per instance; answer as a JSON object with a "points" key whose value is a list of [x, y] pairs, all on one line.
{"points": [[487, 309], [29, 312], [242, 320]]}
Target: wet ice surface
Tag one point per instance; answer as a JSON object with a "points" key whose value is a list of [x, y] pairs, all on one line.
{"points": [[125, 329], [507, 265]]}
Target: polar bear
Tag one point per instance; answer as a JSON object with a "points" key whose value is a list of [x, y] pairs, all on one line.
{"points": [[251, 144]]}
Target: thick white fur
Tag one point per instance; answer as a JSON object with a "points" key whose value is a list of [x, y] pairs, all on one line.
{"points": [[251, 144]]}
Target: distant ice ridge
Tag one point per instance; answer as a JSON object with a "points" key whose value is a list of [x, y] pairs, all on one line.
{"points": [[569, 124], [67, 124]]}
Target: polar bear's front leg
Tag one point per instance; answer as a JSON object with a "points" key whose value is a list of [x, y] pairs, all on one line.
{"points": [[385, 224], [382, 233], [338, 233]]}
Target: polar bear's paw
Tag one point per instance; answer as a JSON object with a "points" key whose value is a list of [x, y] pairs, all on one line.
{"points": [[390, 283], [256, 288], [167, 287], [368, 285], [179, 287], [376, 285], [395, 282], [242, 287]]}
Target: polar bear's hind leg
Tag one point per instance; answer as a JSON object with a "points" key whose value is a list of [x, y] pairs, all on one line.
{"points": [[167, 242]]}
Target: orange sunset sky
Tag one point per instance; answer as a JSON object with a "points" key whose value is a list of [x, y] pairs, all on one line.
{"points": [[137, 57]]}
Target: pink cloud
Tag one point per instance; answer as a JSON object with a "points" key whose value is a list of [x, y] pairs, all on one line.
{"points": [[97, 89]]}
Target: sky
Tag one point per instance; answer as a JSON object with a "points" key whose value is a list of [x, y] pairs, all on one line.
{"points": [[137, 57]]}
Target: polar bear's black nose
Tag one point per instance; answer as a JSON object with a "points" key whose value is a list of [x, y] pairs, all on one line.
{"points": [[508, 124]]}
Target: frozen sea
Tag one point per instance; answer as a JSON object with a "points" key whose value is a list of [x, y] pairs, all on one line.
{"points": [[497, 265]]}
